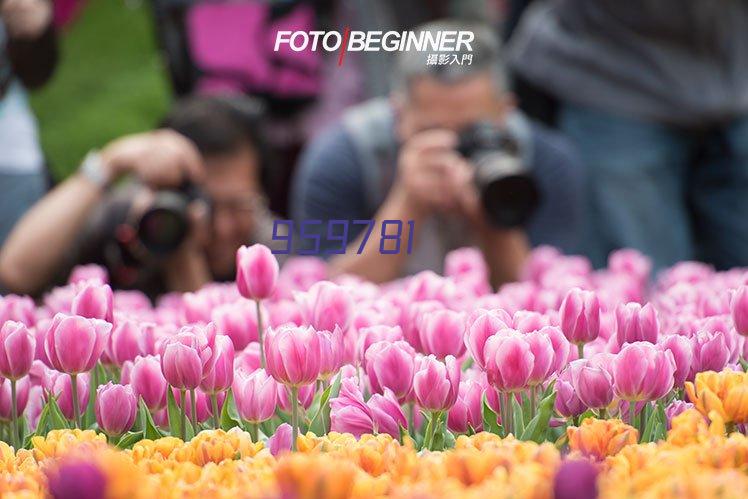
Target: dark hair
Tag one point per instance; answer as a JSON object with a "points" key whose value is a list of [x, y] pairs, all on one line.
{"points": [[222, 125]]}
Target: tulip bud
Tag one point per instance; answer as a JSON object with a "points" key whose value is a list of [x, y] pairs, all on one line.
{"points": [[580, 316], [386, 413], [256, 272], [636, 323], [593, 384], [642, 372], [325, 306], [392, 366], [248, 360], [17, 308], [330, 353], [74, 344], [567, 402], [17, 348], [372, 334], [739, 309], [94, 301], [436, 384], [293, 355], [442, 333], [710, 352], [281, 440], [6, 402], [238, 321], [509, 361], [544, 356], [220, 373], [123, 343], [256, 396], [148, 382], [484, 325], [186, 356], [116, 407], [467, 412], [682, 350], [348, 411]]}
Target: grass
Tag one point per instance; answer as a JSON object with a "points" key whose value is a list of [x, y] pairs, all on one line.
{"points": [[110, 82]]}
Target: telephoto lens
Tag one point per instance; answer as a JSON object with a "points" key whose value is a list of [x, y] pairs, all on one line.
{"points": [[508, 191]]}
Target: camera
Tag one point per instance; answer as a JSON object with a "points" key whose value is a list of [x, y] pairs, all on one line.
{"points": [[508, 191]]}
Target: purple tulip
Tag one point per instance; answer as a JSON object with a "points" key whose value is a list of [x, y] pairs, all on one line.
{"points": [[392, 366], [74, 479], [675, 408], [17, 349], [580, 316], [642, 372], [256, 396], [148, 382], [116, 407], [256, 272], [575, 479], [436, 384], [74, 344], [636, 323]]}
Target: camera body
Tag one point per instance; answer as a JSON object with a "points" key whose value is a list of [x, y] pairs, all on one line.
{"points": [[508, 191]]}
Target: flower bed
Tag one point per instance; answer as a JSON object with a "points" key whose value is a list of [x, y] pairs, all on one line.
{"points": [[569, 383]]}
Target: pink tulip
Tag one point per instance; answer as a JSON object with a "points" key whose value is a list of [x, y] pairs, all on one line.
{"points": [[74, 344], [330, 353], [293, 355], [280, 442], [220, 373], [739, 309], [238, 321], [91, 272], [60, 386], [186, 357], [35, 406], [642, 372], [484, 325], [372, 334], [544, 356], [632, 263], [412, 320], [22, 398], [248, 360], [710, 352], [256, 396], [391, 366], [325, 306], [435, 384], [527, 321], [17, 348], [202, 403], [116, 407], [561, 347], [467, 412], [442, 333], [509, 361], [348, 411], [567, 403], [593, 384], [148, 382], [284, 312], [386, 413], [17, 308], [636, 323], [682, 350], [123, 343], [580, 316], [94, 301], [256, 272], [299, 273]]}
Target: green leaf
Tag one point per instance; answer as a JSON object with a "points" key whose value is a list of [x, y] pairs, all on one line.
{"points": [[490, 419], [129, 439], [656, 417], [537, 429], [517, 417], [229, 414], [443, 438], [57, 420], [174, 413], [315, 425], [97, 375], [589, 413], [150, 430]]}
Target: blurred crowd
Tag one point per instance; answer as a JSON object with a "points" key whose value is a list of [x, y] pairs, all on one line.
{"points": [[588, 125]]}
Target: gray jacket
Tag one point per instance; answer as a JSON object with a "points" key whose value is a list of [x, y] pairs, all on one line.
{"points": [[682, 62]]}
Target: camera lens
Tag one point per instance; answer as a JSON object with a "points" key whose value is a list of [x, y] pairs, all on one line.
{"points": [[164, 226]]}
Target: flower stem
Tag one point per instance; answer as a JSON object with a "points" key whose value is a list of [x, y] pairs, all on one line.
{"points": [[533, 401], [411, 419], [214, 406], [632, 413], [193, 403], [183, 401], [254, 432], [260, 331], [580, 350], [74, 394], [14, 415], [294, 416]]}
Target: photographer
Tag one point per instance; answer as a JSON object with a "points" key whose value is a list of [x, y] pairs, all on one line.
{"points": [[448, 151], [192, 196]]}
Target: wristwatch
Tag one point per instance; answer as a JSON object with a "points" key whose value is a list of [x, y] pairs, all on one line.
{"points": [[92, 168]]}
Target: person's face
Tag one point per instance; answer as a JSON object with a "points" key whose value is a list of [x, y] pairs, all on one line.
{"points": [[233, 186], [452, 106]]}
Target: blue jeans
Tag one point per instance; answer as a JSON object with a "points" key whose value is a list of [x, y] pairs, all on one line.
{"points": [[670, 193]]}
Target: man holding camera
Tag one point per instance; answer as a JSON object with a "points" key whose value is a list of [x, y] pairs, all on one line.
{"points": [[163, 211], [449, 152]]}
